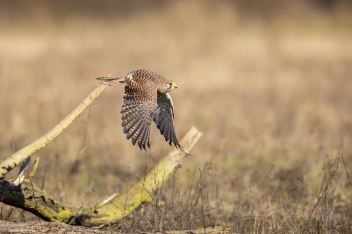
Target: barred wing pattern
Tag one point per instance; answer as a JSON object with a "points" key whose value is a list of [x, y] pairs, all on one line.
{"points": [[136, 118], [164, 119], [146, 98]]}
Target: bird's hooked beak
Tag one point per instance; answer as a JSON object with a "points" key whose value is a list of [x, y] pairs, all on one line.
{"points": [[173, 85]]}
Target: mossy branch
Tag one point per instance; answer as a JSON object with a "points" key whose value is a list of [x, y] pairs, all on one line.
{"points": [[11, 162], [140, 193], [28, 196]]}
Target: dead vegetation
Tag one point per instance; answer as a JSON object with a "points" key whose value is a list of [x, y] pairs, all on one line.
{"points": [[272, 97]]}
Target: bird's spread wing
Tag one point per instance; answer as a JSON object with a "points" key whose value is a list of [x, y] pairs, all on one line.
{"points": [[163, 117], [136, 116]]}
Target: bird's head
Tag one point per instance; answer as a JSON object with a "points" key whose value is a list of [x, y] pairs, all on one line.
{"points": [[170, 85]]}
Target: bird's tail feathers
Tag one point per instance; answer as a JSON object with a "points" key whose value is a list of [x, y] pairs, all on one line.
{"points": [[107, 80]]}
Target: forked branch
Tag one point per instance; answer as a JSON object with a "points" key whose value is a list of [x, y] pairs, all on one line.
{"points": [[28, 196], [24, 194]]}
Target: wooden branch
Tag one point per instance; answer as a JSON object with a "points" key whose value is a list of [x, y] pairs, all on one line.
{"points": [[34, 168], [140, 193], [11, 162], [26, 195], [30, 197]]}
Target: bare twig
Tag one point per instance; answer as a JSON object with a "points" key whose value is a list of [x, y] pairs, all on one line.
{"points": [[324, 192], [34, 168]]}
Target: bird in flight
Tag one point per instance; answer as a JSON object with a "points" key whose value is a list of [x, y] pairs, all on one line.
{"points": [[146, 98]]}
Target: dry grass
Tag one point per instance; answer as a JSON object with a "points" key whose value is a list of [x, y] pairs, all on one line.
{"points": [[273, 100]]}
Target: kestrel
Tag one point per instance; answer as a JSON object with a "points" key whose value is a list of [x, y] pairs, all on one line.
{"points": [[146, 98]]}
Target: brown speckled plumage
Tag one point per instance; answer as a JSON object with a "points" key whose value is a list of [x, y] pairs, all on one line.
{"points": [[146, 99]]}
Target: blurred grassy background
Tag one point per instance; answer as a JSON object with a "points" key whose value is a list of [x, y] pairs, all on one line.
{"points": [[267, 82]]}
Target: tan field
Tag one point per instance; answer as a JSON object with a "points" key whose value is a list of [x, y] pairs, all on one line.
{"points": [[272, 97]]}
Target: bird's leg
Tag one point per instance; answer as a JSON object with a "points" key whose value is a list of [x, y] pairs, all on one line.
{"points": [[107, 80]]}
